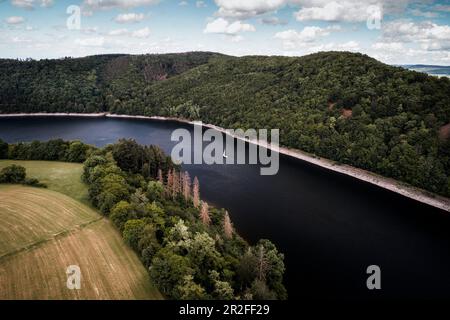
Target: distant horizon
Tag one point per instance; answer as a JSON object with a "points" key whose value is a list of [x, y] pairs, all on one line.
{"points": [[402, 32], [215, 52]]}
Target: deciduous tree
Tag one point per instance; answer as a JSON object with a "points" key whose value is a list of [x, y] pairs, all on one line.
{"points": [[132, 232]]}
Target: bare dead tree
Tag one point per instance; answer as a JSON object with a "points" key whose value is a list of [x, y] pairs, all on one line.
{"points": [[176, 184], [204, 214], [262, 263], [196, 193], [160, 177], [186, 186], [227, 226], [169, 186]]}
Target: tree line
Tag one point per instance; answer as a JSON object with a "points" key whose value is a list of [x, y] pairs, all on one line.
{"points": [[52, 150], [191, 248]]}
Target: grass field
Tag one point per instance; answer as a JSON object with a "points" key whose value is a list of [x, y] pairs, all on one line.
{"points": [[33, 215], [109, 269], [43, 231], [62, 177]]}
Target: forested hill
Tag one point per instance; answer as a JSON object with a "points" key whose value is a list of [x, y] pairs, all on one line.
{"points": [[343, 106], [86, 84]]}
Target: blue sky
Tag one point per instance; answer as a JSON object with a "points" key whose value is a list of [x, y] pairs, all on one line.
{"points": [[396, 32]]}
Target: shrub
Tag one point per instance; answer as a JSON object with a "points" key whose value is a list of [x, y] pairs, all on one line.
{"points": [[13, 174], [34, 183]]}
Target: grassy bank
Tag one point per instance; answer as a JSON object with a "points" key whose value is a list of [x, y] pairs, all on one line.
{"points": [[61, 177]]}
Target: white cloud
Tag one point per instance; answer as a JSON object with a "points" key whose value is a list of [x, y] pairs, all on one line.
{"points": [[217, 26], [46, 3], [248, 8], [347, 46], [332, 46], [437, 45], [347, 10], [20, 40], [15, 20], [309, 39], [222, 26], [399, 40], [200, 4], [129, 17], [400, 30], [237, 38], [425, 14], [123, 4], [411, 56], [26, 4], [429, 35], [336, 10], [141, 33], [238, 26], [118, 32], [86, 12], [183, 3], [30, 4], [443, 8], [89, 30], [388, 46], [273, 21], [406, 42], [293, 39], [91, 42]]}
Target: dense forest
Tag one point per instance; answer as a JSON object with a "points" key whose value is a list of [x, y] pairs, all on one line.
{"points": [[343, 106], [189, 247]]}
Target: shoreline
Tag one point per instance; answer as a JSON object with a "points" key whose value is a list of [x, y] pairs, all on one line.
{"points": [[360, 174]]}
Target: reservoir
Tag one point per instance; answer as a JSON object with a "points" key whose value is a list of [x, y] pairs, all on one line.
{"points": [[330, 227]]}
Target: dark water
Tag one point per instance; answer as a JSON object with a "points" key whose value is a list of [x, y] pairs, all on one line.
{"points": [[330, 227]]}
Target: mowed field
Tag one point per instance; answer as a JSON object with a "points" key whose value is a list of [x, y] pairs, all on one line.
{"points": [[63, 177], [42, 232], [29, 216]]}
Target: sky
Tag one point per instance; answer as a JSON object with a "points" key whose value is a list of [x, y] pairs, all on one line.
{"points": [[392, 31]]}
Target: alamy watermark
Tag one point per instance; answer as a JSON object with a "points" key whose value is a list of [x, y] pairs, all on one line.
{"points": [[189, 150], [73, 22], [374, 280], [73, 277], [374, 18]]}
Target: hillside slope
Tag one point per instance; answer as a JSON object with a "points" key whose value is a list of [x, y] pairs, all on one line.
{"points": [[43, 232], [85, 84], [343, 106]]}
